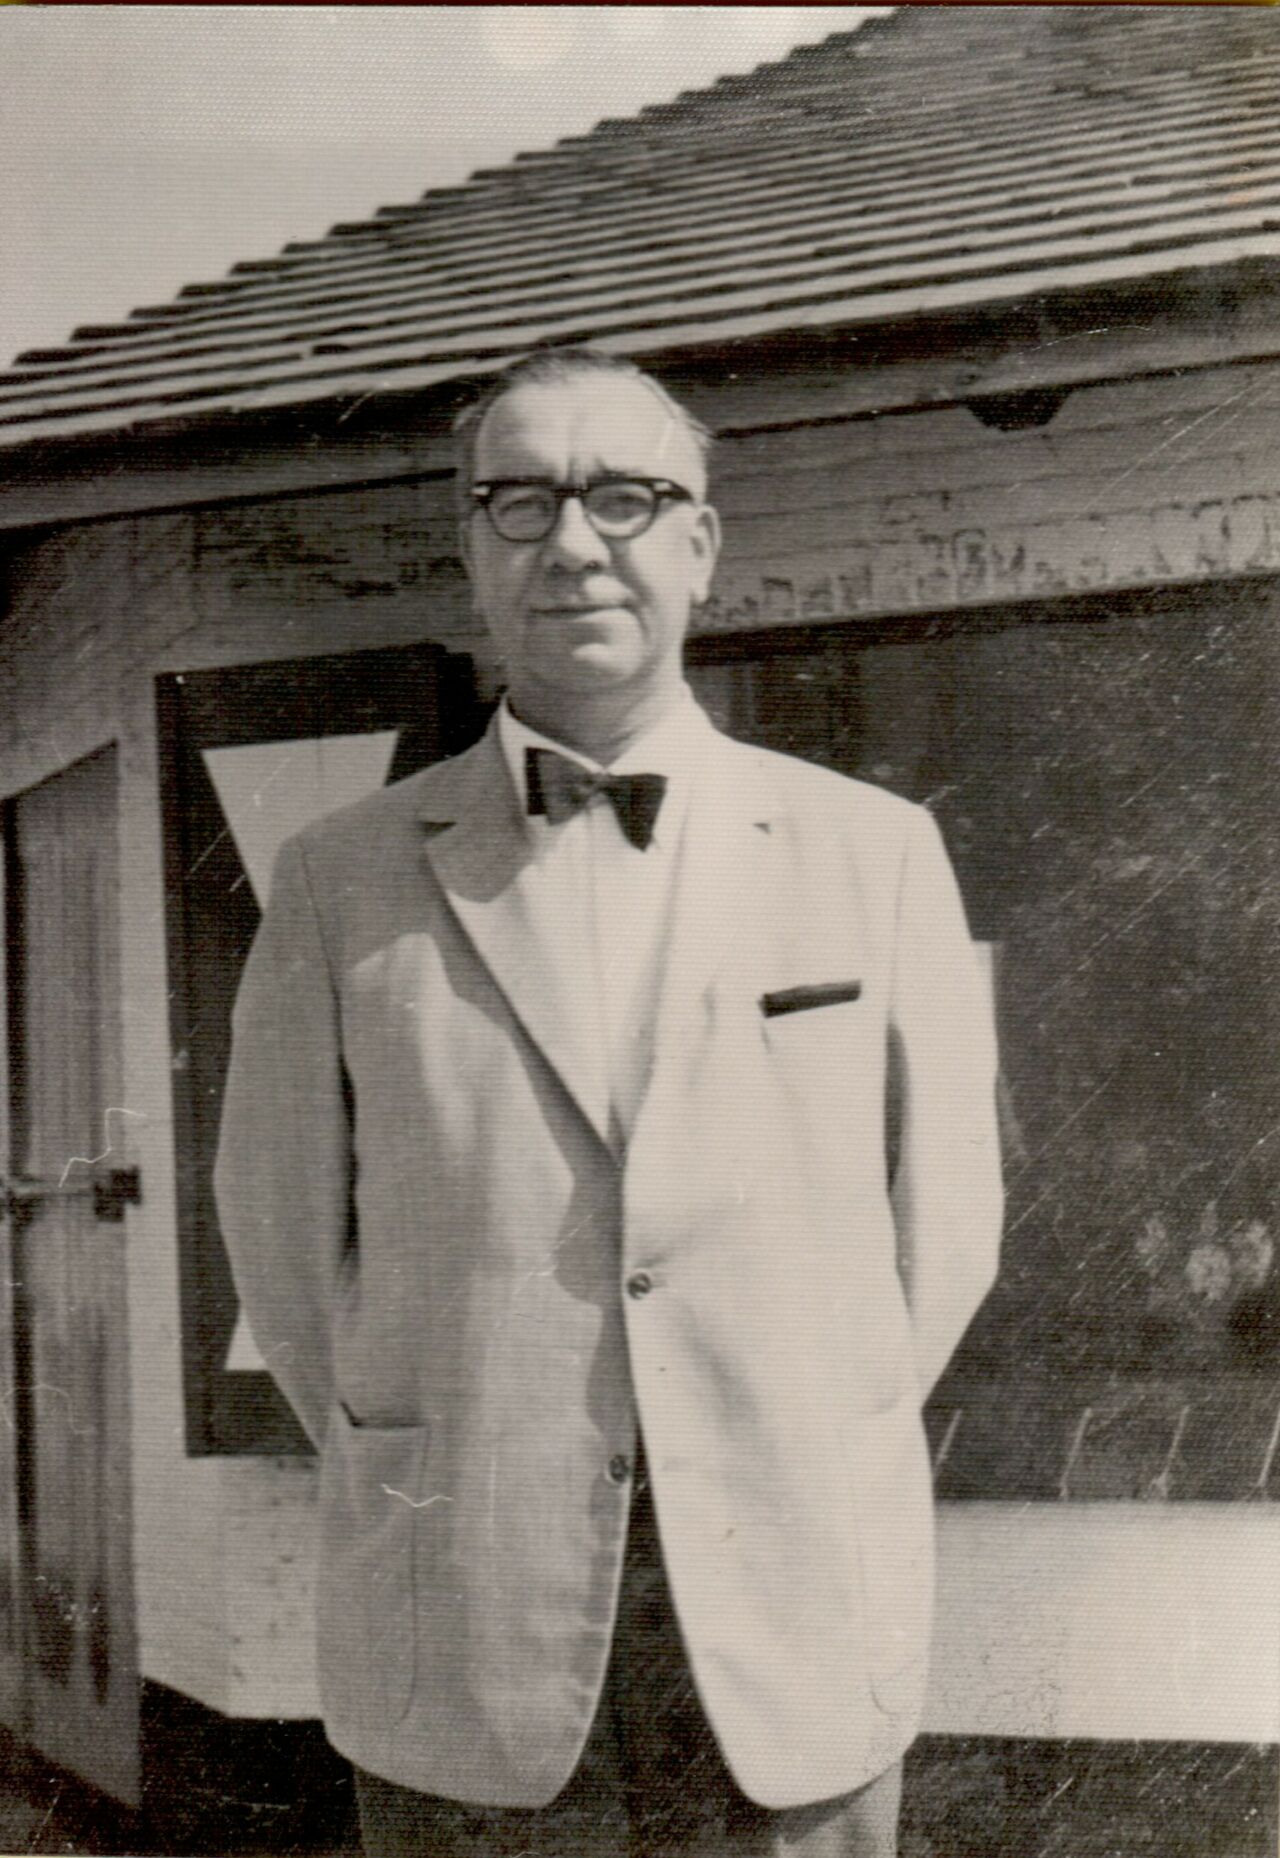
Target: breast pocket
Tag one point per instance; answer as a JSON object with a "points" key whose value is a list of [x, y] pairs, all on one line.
{"points": [[371, 1489], [809, 997], [816, 1038]]}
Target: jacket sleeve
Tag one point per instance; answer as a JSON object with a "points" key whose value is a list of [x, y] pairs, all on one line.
{"points": [[947, 1192], [283, 1177]]}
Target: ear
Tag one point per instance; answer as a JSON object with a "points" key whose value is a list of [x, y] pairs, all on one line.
{"points": [[704, 540]]}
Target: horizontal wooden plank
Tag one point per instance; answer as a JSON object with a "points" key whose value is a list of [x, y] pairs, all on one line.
{"points": [[1151, 1625], [929, 569], [1118, 490], [1224, 523], [1119, 466], [1173, 407]]}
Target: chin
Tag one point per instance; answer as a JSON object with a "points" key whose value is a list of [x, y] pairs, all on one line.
{"points": [[593, 668]]}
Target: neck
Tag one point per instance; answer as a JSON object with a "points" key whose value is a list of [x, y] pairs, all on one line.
{"points": [[601, 727]]}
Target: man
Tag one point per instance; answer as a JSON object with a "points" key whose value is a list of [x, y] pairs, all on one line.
{"points": [[557, 1126]]}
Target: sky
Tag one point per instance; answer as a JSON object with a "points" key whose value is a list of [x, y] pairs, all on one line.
{"points": [[147, 147]]}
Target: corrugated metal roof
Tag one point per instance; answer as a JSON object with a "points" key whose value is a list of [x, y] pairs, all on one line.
{"points": [[944, 157]]}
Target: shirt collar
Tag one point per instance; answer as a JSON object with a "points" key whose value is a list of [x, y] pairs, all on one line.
{"points": [[671, 748]]}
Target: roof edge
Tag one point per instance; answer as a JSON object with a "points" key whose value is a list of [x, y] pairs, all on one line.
{"points": [[1066, 340]]}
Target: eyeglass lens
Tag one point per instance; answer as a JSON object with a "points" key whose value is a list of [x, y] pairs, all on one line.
{"points": [[616, 507]]}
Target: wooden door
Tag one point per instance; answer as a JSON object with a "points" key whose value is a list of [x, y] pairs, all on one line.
{"points": [[67, 1185]]}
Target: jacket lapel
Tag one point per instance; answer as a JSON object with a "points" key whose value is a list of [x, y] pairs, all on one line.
{"points": [[483, 857], [722, 894]]}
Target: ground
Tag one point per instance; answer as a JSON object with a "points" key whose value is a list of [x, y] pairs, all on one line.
{"points": [[274, 1791]]}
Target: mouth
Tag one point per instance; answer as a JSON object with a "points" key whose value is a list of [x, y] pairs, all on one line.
{"points": [[584, 610]]}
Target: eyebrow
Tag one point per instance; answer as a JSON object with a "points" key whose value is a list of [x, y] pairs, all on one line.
{"points": [[591, 477]]}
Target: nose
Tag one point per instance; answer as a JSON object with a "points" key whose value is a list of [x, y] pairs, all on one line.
{"points": [[572, 542]]}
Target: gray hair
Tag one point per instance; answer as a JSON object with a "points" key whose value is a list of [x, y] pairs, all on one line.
{"points": [[545, 367]]}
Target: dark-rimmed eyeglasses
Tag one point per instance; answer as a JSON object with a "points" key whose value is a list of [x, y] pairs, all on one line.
{"points": [[618, 508]]}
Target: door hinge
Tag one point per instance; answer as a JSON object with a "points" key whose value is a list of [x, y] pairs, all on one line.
{"points": [[114, 1190], [111, 1190]]}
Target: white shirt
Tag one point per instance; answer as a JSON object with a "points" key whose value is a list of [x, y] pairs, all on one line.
{"points": [[625, 894]]}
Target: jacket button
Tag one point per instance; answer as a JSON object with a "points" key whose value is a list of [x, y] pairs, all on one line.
{"points": [[619, 1469], [639, 1284]]}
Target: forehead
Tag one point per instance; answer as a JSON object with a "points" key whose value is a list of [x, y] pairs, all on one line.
{"points": [[604, 422]]}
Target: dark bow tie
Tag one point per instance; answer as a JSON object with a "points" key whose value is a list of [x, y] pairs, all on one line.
{"points": [[560, 788]]}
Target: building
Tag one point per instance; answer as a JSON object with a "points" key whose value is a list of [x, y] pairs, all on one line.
{"points": [[981, 304]]}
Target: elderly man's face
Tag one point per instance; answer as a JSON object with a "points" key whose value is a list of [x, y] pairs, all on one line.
{"points": [[580, 613]]}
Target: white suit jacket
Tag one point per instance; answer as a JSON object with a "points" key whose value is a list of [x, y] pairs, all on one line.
{"points": [[470, 1301]]}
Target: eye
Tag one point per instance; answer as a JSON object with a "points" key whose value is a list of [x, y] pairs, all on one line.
{"points": [[620, 502], [522, 504]]}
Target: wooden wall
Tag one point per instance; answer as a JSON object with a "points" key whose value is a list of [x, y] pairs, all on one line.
{"points": [[1151, 481], [1159, 481]]}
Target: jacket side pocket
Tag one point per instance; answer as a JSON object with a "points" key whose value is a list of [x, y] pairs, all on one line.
{"points": [[371, 1479]]}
